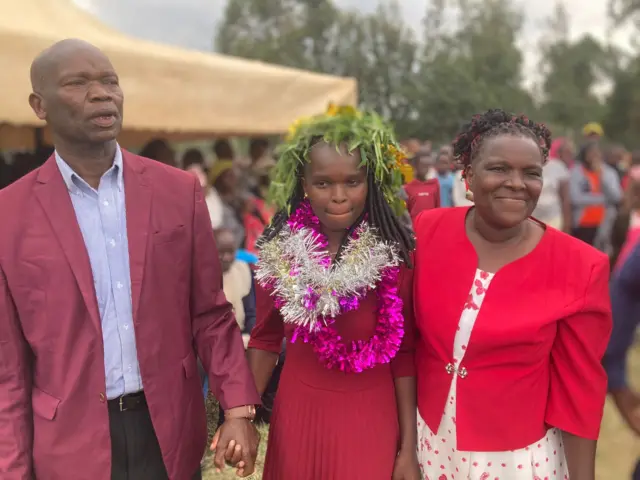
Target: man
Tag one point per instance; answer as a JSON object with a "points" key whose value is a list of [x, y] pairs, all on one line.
{"points": [[108, 278], [445, 178]]}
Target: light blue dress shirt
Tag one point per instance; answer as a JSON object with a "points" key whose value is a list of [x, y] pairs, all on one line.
{"points": [[102, 218]]}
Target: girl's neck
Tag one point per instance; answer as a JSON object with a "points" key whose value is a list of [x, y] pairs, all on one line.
{"points": [[334, 240]]}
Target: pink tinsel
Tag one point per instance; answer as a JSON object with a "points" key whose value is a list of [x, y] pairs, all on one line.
{"points": [[361, 355]]}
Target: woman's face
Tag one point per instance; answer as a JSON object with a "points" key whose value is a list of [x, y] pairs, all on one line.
{"points": [[227, 181], [593, 156], [336, 186], [506, 179]]}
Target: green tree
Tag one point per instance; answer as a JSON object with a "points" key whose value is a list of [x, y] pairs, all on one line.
{"points": [[571, 71], [470, 62], [376, 48]]}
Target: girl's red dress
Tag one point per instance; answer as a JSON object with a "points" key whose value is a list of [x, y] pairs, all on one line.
{"points": [[326, 424]]}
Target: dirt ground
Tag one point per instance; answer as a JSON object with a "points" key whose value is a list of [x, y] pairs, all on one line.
{"points": [[618, 449]]}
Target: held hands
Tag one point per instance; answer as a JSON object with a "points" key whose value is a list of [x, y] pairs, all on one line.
{"points": [[406, 466], [236, 443]]}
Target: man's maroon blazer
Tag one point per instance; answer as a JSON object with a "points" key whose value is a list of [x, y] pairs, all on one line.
{"points": [[54, 422]]}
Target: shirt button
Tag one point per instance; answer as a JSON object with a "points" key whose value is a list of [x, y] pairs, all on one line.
{"points": [[105, 203], [119, 285], [126, 326], [103, 398], [112, 242]]}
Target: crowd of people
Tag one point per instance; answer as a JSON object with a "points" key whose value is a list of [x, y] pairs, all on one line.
{"points": [[378, 302]]}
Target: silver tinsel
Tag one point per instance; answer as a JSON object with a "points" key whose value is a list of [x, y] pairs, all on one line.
{"points": [[291, 263]]}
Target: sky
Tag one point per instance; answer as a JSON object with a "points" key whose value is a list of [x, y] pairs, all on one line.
{"points": [[191, 23]]}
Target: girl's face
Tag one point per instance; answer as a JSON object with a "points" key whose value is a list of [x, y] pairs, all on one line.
{"points": [[336, 186]]}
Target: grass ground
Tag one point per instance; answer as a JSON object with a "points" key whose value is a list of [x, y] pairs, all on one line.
{"points": [[618, 449]]}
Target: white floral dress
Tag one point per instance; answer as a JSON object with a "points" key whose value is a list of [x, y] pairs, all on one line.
{"points": [[438, 456]]}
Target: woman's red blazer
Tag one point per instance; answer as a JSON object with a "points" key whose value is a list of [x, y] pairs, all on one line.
{"points": [[533, 360]]}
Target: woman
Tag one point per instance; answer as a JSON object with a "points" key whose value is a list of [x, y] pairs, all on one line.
{"points": [[626, 229], [595, 193], [554, 204], [514, 319], [333, 277]]}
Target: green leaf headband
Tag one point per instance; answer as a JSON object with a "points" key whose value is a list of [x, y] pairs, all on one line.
{"points": [[365, 132]]}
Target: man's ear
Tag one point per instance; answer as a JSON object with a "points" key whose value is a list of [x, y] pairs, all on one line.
{"points": [[38, 105]]}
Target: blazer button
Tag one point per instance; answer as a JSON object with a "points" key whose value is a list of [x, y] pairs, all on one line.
{"points": [[102, 397], [462, 373]]}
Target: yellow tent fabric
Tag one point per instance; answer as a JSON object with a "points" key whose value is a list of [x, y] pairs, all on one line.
{"points": [[170, 92]]}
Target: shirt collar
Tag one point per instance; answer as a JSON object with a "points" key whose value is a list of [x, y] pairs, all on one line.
{"points": [[71, 178]]}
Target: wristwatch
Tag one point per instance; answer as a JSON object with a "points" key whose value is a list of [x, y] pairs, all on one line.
{"points": [[247, 412]]}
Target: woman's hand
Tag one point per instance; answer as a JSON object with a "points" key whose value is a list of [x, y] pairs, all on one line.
{"points": [[406, 466]]}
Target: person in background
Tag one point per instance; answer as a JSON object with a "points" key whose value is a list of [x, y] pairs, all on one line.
{"points": [[193, 156], [237, 281], [554, 204], [626, 228], [592, 132], [634, 161], [160, 151], [595, 193], [223, 198], [615, 157], [239, 288], [4, 172], [255, 216], [411, 146], [223, 150], [460, 192], [625, 305], [423, 192], [445, 179]]}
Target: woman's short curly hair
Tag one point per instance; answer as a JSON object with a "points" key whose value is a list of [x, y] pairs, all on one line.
{"points": [[497, 122]]}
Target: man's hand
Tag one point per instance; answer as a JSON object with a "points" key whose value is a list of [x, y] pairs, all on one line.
{"points": [[236, 442], [406, 466], [628, 403]]}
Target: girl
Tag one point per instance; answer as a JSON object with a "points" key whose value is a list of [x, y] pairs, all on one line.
{"points": [[334, 278]]}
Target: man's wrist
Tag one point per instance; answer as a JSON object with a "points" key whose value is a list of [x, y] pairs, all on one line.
{"points": [[247, 412]]}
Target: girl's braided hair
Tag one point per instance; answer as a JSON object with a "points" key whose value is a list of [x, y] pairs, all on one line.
{"points": [[373, 139], [493, 123]]}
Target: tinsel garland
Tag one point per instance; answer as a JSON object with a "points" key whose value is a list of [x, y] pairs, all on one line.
{"points": [[310, 292]]}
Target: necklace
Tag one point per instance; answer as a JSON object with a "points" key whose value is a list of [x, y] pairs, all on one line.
{"points": [[310, 292]]}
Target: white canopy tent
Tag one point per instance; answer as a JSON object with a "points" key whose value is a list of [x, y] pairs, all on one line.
{"points": [[170, 92]]}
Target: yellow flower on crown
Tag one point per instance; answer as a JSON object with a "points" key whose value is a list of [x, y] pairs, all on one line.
{"points": [[398, 155], [334, 110], [295, 126]]}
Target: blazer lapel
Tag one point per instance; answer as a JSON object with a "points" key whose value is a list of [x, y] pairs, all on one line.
{"points": [[55, 200], [137, 193]]}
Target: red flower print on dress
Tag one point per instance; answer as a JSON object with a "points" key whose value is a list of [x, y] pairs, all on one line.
{"points": [[442, 477], [484, 476], [480, 290], [484, 275], [470, 304]]}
